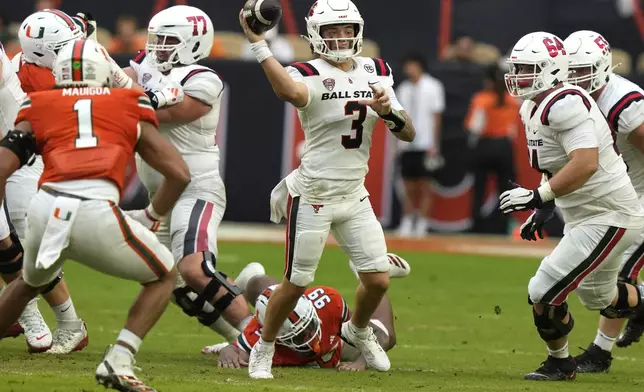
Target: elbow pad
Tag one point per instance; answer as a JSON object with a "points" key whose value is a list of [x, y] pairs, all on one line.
{"points": [[21, 143]]}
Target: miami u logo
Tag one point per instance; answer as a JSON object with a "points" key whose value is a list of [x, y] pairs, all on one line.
{"points": [[41, 32]]}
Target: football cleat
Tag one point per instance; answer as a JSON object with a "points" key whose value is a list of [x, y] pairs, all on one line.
{"points": [[249, 271], [36, 331], [367, 343], [116, 371], [594, 359], [67, 340], [554, 369], [260, 362], [13, 332], [633, 331]]}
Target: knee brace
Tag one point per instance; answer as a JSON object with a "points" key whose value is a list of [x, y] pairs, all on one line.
{"points": [[621, 309], [7, 256], [50, 286], [550, 324], [201, 305]]}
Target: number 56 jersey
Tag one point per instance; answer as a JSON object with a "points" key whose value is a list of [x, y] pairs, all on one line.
{"points": [[567, 120], [337, 129]]}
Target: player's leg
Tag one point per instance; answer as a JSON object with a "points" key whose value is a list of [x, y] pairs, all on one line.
{"points": [[581, 253], [407, 172], [127, 250], [31, 322], [597, 357], [204, 291], [361, 237], [307, 229], [630, 273]]}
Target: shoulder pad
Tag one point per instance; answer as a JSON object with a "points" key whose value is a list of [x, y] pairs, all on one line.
{"points": [[196, 72], [565, 110], [139, 57], [622, 104], [382, 68], [305, 69]]}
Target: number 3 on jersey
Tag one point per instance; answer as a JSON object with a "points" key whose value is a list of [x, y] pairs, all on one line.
{"points": [[319, 298], [86, 138], [353, 142]]}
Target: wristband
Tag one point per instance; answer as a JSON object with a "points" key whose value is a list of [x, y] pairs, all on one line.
{"points": [[151, 213], [545, 192], [261, 50], [154, 99], [394, 121]]}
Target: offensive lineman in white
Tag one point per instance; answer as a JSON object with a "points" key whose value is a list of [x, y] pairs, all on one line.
{"points": [[571, 144], [339, 97], [178, 37], [622, 103]]}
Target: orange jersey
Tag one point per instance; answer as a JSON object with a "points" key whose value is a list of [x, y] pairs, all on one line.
{"points": [[332, 310], [86, 133], [34, 78]]}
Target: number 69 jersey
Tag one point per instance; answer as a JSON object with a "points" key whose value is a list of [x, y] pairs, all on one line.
{"points": [[566, 120], [337, 129], [332, 310], [80, 138]]}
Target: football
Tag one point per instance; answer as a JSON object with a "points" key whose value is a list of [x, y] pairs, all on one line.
{"points": [[262, 15]]}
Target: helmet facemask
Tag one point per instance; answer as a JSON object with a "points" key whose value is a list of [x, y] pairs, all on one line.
{"points": [[334, 42], [589, 76], [525, 79], [305, 334], [163, 49]]}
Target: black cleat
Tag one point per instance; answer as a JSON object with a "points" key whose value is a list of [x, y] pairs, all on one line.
{"points": [[594, 359], [633, 331], [554, 369]]}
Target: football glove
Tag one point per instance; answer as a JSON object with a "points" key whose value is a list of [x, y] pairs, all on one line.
{"points": [[536, 222], [518, 199], [169, 95], [147, 217]]}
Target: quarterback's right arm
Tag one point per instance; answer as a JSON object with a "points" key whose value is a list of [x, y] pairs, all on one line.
{"points": [[285, 87], [569, 119]]}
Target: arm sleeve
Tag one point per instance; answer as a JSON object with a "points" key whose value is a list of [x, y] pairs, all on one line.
{"points": [[581, 136], [24, 111], [146, 111], [205, 85]]}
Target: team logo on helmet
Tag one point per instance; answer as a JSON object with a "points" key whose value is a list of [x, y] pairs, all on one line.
{"points": [[329, 83], [312, 10]]}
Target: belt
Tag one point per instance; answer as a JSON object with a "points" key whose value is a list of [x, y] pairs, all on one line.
{"points": [[56, 193]]}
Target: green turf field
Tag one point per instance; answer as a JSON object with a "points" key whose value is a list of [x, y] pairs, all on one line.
{"points": [[449, 335]]}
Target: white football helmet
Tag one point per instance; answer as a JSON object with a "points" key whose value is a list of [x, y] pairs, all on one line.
{"points": [[178, 35], [537, 63], [588, 49], [334, 12], [44, 33], [82, 63], [301, 331]]}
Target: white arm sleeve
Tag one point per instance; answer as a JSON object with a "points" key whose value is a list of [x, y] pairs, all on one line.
{"points": [[631, 117], [297, 77], [567, 112], [581, 136], [205, 86]]}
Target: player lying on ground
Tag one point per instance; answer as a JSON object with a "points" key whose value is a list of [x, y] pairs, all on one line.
{"points": [[75, 214], [622, 103], [570, 142], [318, 333], [340, 96]]}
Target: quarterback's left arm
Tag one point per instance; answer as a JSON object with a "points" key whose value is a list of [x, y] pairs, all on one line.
{"points": [[201, 92]]}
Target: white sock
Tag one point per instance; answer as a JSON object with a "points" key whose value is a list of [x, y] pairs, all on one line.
{"points": [[561, 353], [130, 339], [65, 312], [263, 342], [604, 341], [223, 328]]}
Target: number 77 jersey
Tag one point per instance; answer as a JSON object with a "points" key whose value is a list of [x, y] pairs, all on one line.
{"points": [[337, 128], [86, 133]]}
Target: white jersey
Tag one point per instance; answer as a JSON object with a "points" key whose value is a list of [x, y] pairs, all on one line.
{"points": [[337, 130], [195, 140], [622, 102], [11, 94], [568, 119]]}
